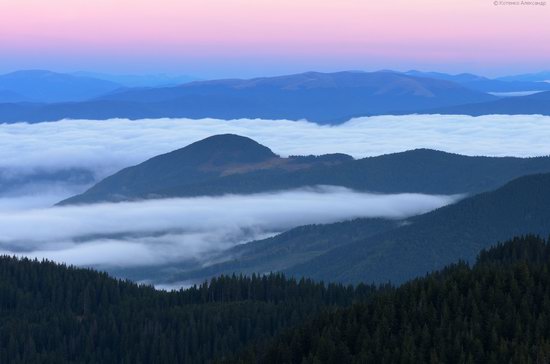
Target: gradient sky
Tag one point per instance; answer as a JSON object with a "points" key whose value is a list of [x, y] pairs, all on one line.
{"points": [[221, 38]]}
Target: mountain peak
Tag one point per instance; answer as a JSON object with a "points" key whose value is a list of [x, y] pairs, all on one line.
{"points": [[198, 162], [224, 149]]}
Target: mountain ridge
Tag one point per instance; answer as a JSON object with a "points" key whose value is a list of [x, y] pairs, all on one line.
{"points": [[325, 98], [538, 103], [485, 84], [381, 251], [185, 173], [51, 87], [443, 235]]}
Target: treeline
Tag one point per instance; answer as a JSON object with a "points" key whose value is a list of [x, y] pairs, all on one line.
{"points": [[51, 313], [497, 311]]}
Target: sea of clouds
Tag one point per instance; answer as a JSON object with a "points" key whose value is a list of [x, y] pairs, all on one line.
{"points": [[32, 152], [156, 232], [35, 159], [108, 145]]}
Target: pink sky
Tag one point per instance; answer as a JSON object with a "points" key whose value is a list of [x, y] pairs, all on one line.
{"points": [[242, 37]]}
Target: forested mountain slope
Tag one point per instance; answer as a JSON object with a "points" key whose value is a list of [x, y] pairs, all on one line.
{"points": [[430, 241], [495, 312], [54, 314], [286, 250], [228, 163], [373, 250]]}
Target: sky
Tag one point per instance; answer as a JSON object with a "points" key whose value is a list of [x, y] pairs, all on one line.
{"points": [[245, 38]]}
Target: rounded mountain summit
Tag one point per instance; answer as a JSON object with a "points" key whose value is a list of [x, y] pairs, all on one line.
{"points": [[203, 160], [223, 149]]}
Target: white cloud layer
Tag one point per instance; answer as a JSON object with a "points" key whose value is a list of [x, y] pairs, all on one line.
{"points": [[159, 232], [166, 231], [106, 146], [36, 195]]}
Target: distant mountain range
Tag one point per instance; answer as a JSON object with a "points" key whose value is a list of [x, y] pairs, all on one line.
{"points": [[327, 98], [485, 84], [318, 97], [538, 103], [39, 86], [145, 80], [11, 96], [532, 77], [50, 87], [229, 163]]}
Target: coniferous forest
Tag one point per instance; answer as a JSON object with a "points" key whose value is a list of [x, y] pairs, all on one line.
{"points": [[51, 313], [496, 311]]}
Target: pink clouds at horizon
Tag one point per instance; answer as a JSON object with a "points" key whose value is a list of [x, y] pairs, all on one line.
{"points": [[468, 32]]}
